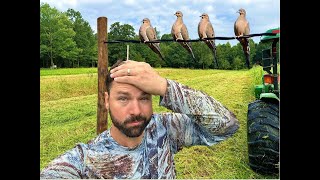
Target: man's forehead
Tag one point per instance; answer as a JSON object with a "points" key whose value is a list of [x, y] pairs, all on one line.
{"points": [[124, 88]]}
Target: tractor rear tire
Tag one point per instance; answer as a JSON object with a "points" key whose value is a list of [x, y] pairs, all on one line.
{"points": [[263, 136]]}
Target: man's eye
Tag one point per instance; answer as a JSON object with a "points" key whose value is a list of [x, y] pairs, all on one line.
{"points": [[122, 99], [145, 98]]}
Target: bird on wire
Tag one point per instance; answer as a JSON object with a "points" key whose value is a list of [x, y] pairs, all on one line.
{"points": [[241, 28], [179, 31], [205, 30], [148, 33]]}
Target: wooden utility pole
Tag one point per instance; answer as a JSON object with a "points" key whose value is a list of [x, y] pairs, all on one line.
{"points": [[102, 113]]}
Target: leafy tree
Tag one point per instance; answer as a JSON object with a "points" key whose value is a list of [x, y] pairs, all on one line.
{"points": [[204, 56], [224, 64], [166, 36], [119, 32], [253, 49], [84, 38], [177, 56], [237, 54], [56, 35], [238, 63], [225, 53]]}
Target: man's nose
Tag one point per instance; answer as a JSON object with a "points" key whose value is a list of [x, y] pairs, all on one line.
{"points": [[135, 108]]}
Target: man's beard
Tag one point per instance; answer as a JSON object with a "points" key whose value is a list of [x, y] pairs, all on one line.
{"points": [[134, 131]]}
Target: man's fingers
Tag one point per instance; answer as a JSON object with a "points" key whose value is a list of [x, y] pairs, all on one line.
{"points": [[119, 67], [127, 64], [123, 72], [115, 69], [127, 69], [125, 79]]}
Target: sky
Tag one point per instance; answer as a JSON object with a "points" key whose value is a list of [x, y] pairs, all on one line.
{"points": [[261, 14]]}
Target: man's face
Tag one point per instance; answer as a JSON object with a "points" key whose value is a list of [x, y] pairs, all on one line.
{"points": [[130, 108]]}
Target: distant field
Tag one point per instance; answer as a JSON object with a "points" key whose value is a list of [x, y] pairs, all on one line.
{"points": [[68, 110]]}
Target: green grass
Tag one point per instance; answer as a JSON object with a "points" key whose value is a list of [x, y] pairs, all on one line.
{"points": [[67, 71], [68, 107]]}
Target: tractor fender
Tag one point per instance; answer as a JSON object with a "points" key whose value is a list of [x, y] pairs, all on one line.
{"points": [[269, 96]]}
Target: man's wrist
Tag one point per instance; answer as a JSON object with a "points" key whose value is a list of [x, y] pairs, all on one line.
{"points": [[163, 86]]}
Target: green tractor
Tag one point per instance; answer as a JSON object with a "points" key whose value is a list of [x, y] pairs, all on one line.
{"points": [[263, 113]]}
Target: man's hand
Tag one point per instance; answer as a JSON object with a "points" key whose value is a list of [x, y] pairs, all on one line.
{"points": [[141, 75]]}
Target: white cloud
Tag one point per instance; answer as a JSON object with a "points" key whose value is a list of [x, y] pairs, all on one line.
{"points": [[130, 2], [209, 9], [241, 1], [61, 4]]}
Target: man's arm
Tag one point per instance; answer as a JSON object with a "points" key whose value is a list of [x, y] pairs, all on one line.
{"points": [[198, 118], [67, 166]]}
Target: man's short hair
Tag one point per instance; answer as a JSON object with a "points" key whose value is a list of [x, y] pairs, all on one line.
{"points": [[109, 80]]}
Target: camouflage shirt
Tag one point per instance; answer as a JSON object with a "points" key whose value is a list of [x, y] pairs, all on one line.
{"points": [[197, 119]]}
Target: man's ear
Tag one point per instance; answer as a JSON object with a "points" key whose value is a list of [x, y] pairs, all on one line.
{"points": [[106, 100]]}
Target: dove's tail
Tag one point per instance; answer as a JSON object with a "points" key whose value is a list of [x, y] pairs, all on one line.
{"points": [[161, 55], [247, 60], [192, 54], [215, 57], [187, 46], [156, 48], [214, 52], [246, 51]]}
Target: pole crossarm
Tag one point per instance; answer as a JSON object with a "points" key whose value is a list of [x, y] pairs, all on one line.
{"points": [[191, 40]]}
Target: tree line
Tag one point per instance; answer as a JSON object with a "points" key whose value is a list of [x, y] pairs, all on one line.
{"points": [[68, 41]]}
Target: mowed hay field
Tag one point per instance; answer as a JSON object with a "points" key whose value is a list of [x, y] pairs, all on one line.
{"points": [[68, 115]]}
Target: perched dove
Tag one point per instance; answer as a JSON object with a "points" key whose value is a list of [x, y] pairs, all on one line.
{"points": [[148, 33], [241, 27], [179, 31], [205, 30]]}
